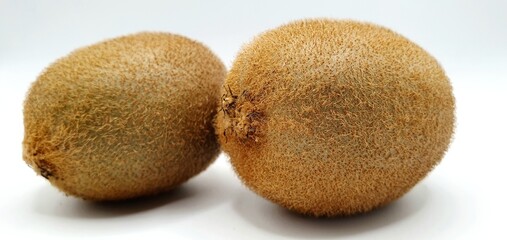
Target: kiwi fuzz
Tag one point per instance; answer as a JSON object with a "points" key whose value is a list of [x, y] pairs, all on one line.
{"points": [[334, 117], [124, 118]]}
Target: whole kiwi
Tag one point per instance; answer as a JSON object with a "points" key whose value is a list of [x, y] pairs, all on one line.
{"points": [[124, 118], [334, 117]]}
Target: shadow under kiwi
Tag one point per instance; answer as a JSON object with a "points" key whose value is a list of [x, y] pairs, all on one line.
{"points": [[272, 218], [199, 193], [54, 203]]}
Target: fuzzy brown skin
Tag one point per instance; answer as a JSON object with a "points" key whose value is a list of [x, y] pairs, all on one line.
{"points": [[124, 118], [329, 117]]}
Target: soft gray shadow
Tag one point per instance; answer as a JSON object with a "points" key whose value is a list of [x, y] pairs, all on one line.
{"points": [[275, 219], [54, 203], [202, 192]]}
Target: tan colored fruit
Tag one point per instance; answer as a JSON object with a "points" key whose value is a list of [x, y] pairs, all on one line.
{"points": [[124, 118], [330, 117]]}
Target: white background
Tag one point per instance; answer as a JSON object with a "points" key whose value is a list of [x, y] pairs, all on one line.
{"points": [[463, 198]]}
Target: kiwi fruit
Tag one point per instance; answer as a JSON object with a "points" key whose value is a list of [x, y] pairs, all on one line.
{"points": [[334, 117], [124, 118]]}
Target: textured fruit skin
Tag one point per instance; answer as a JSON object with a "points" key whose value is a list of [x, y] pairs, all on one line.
{"points": [[124, 118], [328, 117]]}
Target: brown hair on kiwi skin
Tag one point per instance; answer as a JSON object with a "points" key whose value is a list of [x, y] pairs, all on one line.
{"points": [[124, 118], [334, 117]]}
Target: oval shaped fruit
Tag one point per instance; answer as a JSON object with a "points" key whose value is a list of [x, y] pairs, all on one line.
{"points": [[124, 118], [329, 117]]}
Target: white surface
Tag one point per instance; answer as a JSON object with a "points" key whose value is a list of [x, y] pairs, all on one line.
{"points": [[463, 198]]}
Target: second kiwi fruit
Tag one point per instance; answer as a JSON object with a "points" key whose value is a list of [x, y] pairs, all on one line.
{"points": [[334, 117]]}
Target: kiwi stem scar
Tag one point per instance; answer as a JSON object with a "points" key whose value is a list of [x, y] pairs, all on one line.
{"points": [[241, 116]]}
